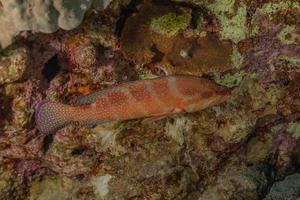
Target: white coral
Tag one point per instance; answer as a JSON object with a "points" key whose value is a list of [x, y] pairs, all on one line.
{"points": [[45, 16]]}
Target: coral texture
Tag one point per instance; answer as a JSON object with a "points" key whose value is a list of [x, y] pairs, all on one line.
{"points": [[41, 16]]}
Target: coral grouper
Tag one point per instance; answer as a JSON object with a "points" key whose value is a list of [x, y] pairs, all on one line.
{"points": [[151, 99]]}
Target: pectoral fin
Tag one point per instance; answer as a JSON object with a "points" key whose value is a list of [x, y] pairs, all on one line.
{"points": [[160, 116]]}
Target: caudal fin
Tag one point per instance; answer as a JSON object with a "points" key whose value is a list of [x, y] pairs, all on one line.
{"points": [[51, 116]]}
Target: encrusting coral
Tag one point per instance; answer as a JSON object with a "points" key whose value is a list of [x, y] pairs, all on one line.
{"points": [[13, 63]]}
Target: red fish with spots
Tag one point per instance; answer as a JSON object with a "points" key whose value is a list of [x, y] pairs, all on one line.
{"points": [[151, 99]]}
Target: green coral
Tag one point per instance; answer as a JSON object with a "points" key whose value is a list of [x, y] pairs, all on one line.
{"points": [[170, 24], [235, 27], [236, 58], [284, 33], [232, 80], [294, 129]]}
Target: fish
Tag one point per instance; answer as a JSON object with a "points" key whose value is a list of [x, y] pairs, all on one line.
{"points": [[151, 99]]}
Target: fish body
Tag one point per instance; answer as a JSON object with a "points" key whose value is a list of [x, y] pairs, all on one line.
{"points": [[151, 98]]}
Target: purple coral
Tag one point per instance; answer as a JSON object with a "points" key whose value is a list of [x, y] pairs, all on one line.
{"points": [[265, 50]]}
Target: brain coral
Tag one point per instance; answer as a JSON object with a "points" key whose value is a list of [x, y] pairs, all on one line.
{"points": [[45, 16]]}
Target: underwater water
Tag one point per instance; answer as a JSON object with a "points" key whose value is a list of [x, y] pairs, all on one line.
{"points": [[132, 99]]}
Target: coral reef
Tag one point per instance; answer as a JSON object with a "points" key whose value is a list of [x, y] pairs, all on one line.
{"points": [[245, 148], [13, 63], [10, 186], [168, 47], [52, 188], [19, 116], [170, 24], [234, 183]]}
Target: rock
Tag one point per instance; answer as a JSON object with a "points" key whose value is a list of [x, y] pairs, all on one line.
{"points": [[21, 109], [81, 53], [67, 154], [11, 187], [196, 56], [240, 118], [51, 188], [13, 63], [258, 149], [233, 183], [289, 188]]}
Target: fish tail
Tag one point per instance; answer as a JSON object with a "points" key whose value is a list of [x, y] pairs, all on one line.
{"points": [[51, 116]]}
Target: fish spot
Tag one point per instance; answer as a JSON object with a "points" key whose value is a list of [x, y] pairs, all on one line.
{"points": [[161, 89], [117, 98], [139, 92]]}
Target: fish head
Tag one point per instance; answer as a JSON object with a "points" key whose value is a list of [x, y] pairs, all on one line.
{"points": [[202, 93], [200, 103]]}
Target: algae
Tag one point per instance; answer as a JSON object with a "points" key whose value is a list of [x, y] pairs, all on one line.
{"points": [[284, 33], [270, 8], [233, 28], [294, 129], [13, 63], [170, 24], [232, 80], [144, 73], [51, 188], [293, 60], [236, 58]]}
